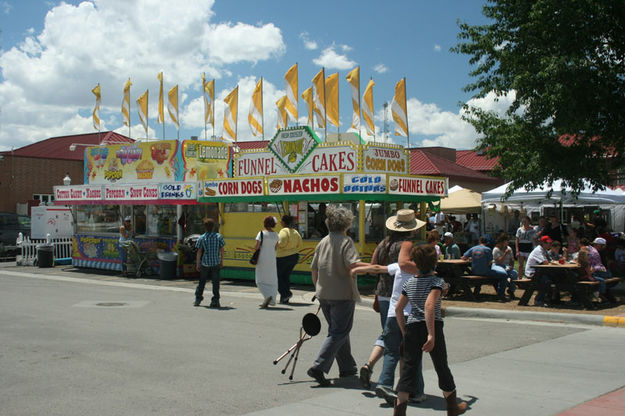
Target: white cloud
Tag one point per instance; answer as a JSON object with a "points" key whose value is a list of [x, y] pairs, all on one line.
{"points": [[47, 78], [5, 7], [380, 68], [308, 43], [437, 48], [332, 60]]}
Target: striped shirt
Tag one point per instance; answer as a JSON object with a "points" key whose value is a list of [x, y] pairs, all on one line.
{"points": [[417, 290], [211, 244]]}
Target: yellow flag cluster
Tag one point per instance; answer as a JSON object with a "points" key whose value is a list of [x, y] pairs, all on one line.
{"points": [[143, 110], [291, 84], [96, 109], [367, 110], [126, 104], [255, 117], [172, 105], [398, 108], [230, 115], [353, 78], [208, 92]]}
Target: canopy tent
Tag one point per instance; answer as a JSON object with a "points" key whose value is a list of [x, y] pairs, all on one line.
{"points": [[462, 201], [608, 199], [559, 194]]}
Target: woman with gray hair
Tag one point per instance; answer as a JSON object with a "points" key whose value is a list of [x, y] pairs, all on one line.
{"points": [[335, 256]]}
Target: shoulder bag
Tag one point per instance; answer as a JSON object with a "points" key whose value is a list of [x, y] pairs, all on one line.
{"points": [[254, 259]]}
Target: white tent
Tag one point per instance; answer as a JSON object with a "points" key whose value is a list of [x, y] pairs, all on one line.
{"points": [[461, 201], [607, 199]]}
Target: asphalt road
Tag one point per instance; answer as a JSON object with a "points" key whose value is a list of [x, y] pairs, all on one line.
{"points": [[88, 347]]}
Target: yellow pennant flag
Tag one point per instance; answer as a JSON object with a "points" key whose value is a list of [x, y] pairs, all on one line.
{"points": [[282, 111], [319, 98], [255, 117], [290, 79], [332, 99], [96, 109], [399, 110], [307, 96], [126, 104], [367, 109], [172, 105], [161, 111], [230, 115], [143, 110], [354, 81], [208, 92]]}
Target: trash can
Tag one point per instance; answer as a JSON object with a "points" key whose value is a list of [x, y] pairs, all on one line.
{"points": [[167, 265], [45, 255]]}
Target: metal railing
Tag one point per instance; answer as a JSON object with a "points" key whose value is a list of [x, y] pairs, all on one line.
{"points": [[28, 249]]}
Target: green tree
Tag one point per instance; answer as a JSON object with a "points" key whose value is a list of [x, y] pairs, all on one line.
{"points": [[563, 65]]}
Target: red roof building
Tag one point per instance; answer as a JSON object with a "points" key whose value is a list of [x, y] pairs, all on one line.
{"points": [[439, 161], [28, 174], [476, 160]]}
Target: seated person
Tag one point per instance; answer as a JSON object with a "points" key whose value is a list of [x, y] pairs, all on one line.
{"points": [[452, 251], [539, 256], [554, 252], [599, 272], [481, 260], [433, 241], [504, 261]]}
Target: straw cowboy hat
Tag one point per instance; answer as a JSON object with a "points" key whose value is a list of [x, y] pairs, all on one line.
{"points": [[405, 220]]}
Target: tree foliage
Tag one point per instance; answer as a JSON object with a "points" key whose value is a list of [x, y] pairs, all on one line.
{"points": [[564, 61]]}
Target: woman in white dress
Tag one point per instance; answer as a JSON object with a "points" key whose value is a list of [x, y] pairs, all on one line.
{"points": [[266, 270]]}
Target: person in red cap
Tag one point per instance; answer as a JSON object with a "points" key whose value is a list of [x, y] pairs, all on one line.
{"points": [[539, 256]]}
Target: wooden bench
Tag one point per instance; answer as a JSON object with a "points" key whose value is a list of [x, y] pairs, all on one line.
{"points": [[588, 287], [476, 283]]}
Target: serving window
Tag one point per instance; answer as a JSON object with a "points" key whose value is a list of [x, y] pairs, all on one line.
{"points": [[98, 218]]}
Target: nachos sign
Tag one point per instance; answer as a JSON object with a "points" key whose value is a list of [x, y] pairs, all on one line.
{"points": [[292, 146]]}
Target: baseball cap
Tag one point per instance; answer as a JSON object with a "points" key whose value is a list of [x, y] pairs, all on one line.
{"points": [[448, 235], [128, 219], [546, 239], [599, 240]]}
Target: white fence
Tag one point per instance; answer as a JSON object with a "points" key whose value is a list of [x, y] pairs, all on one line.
{"points": [[28, 248]]}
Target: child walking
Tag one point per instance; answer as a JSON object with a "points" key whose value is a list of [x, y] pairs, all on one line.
{"points": [[423, 332]]}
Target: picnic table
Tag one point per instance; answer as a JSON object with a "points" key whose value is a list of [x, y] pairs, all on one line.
{"points": [[454, 273], [566, 278]]}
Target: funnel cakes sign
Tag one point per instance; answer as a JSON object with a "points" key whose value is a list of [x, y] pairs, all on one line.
{"points": [[292, 146], [415, 185]]}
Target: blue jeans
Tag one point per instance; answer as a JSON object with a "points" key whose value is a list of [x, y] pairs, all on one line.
{"points": [[392, 341], [340, 317], [499, 273], [206, 273], [512, 274], [600, 277], [383, 305]]}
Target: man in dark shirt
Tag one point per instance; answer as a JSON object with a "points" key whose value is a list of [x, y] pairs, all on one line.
{"points": [[556, 231]]}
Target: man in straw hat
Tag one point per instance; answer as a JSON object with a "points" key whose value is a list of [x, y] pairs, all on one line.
{"points": [[401, 227]]}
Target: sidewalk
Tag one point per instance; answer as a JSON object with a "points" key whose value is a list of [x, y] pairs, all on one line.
{"points": [[487, 309]]}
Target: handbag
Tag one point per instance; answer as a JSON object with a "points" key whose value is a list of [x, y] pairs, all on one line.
{"points": [[254, 259]]}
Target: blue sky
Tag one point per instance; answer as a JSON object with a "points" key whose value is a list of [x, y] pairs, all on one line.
{"points": [[53, 53]]}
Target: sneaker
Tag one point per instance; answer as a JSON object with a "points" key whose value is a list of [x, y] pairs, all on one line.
{"points": [[365, 376], [318, 376], [387, 394], [286, 300], [417, 399], [215, 304], [197, 303]]}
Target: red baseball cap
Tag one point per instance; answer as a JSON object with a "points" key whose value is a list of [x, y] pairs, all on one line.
{"points": [[546, 239]]}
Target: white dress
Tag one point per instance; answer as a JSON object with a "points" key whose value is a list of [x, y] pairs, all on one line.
{"points": [[266, 270]]}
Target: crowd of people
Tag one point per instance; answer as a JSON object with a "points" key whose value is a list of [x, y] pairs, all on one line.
{"points": [[408, 291]]}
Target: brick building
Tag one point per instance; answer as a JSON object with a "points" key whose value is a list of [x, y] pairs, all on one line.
{"points": [[28, 174]]}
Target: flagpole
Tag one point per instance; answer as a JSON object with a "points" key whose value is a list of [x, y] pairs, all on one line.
{"points": [[372, 112], [406, 107], [325, 109], [262, 112], [236, 124], [338, 132], [359, 106]]}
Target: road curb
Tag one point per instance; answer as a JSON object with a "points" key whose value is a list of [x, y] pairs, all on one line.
{"points": [[551, 317]]}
